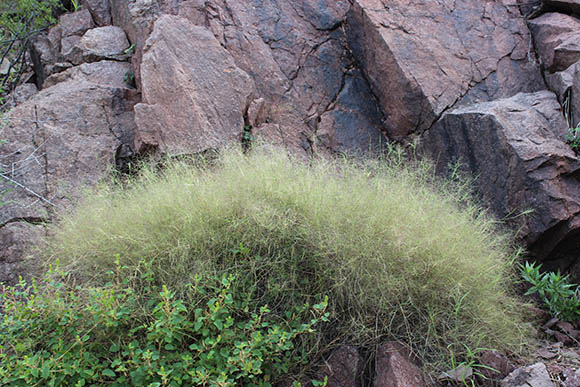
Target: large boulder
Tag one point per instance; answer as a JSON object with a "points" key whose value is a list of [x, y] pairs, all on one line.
{"points": [[557, 40], [516, 150], [66, 137], [422, 60], [194, 95]]}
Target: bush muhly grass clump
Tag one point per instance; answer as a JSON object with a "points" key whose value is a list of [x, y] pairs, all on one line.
{"points": [[399, 256]]}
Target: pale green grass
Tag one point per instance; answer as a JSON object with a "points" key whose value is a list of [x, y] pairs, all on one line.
{"points": [[398, 257]]}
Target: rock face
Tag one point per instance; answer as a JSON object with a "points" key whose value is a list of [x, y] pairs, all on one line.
{"points": [[515, 148], [64, 138], [422, 60], [298, 58], [186, 106]]}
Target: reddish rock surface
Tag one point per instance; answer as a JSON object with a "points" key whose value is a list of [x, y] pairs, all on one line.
{"points": [[421, 61], [557, 40], [395, 367], [343, 368], [194, 95]]}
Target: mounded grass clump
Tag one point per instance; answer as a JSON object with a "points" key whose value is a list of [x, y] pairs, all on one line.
{"points": [[398, 257]]}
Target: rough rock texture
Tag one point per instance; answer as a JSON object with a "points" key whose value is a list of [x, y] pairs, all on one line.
{"points": [[297, 55], [343, 368], [66, 136], [53, 51], [515, 148], [100, 11], [557, 39], [532, 376], [108, 42], [422, 60], [395, 367], [561, 82], [498, 365], [194, 96], [16, 238]]}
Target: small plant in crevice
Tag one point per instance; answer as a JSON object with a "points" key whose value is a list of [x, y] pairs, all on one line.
{"points": [[129, 79], [130, 50], [559, 295], [467, 371], [573, 138], [247, 137]]}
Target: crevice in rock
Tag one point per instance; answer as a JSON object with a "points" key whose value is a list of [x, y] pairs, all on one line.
{"points": [[35, 221]]}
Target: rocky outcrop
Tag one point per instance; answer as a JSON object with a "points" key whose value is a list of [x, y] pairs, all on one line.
{"points": [[313, 96], [516, 150], [421, 60], [64, 138], [186, 106]]}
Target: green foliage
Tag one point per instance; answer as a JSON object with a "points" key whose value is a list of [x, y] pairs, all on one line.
{"points": [[555, 290], [573, 137], [58, 334], [398, 256], [20, 22]]}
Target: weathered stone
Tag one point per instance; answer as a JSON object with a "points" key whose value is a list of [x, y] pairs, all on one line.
{"points": [[516, 150], [136, 18], [343, 368], [20, 94], [100, 11], [106, 73], [16, 241], [557, 39], [575, 97], [69, 49], [422, 60], [108, 42], [65, 137], [561, 83], [532, 376], [499, 366], [76, 23], [186, 106], [395, 367]]}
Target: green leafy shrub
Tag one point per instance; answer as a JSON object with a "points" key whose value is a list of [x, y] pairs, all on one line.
{"points": [[56, 334], [399, 256], [555, 290]]}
